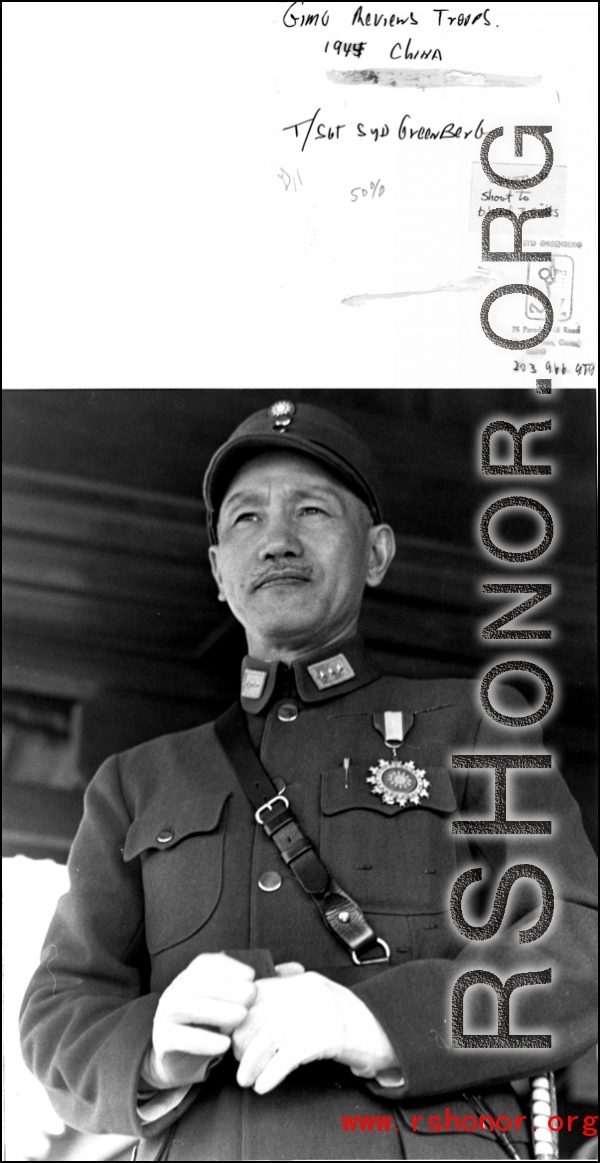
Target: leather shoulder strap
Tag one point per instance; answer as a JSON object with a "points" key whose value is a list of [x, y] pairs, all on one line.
{"points": [[339, 911]]}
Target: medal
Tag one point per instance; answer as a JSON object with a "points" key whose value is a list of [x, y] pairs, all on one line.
{"points": [[396, 782]]}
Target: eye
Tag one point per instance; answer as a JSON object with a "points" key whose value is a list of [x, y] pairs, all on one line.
{"points": [[310, 509], [249, 516]]}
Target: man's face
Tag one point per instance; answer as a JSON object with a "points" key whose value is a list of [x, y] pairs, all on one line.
{"points": [[295, 551]]}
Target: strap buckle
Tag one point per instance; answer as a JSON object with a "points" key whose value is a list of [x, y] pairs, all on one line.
{"points": [[267, 806], [374, 960]]}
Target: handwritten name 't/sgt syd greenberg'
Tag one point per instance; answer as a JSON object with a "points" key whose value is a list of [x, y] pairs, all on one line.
{"points": [[313, 130]]}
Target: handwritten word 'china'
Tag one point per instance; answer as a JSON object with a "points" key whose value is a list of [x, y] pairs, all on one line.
{"points": [[397, 53]]}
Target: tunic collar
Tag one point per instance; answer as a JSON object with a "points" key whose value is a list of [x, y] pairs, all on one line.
{"points": [[324, 674]]}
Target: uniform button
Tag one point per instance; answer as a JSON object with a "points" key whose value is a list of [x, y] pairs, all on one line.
{"points": [[269, 881], [288, 712], [165, 836]]}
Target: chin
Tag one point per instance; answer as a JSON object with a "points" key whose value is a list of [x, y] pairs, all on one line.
{"points": [[287, 630], [282, 627]]}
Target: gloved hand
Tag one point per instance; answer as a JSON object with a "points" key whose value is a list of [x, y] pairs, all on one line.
{"points": [[195, 1018], [300, 1017]]}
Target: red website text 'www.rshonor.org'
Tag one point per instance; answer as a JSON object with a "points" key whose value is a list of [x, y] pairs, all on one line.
{"points": [[435, 1123]]}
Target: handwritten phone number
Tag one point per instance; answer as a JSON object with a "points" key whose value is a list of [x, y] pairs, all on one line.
{"points": [[556, 369], [312, 129]]}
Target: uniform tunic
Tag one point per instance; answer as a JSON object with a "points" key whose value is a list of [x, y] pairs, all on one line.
{"points": [[166, 865]]}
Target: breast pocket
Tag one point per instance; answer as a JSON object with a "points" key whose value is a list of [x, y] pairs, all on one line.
{"points": [[181, 853], [391, 858]]}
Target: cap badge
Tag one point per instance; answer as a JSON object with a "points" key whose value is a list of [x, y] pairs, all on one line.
{"points": [[398, 783], [253, 683], [330, 672], [281, 414]]}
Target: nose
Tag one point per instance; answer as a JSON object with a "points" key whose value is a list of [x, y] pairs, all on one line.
{"points": [[280, 538]]}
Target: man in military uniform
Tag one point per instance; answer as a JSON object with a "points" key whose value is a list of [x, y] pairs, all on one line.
{"points": [[257, 944]]}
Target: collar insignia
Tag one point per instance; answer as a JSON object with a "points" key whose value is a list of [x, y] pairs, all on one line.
{"points": [[253, 683], [331, 672]]}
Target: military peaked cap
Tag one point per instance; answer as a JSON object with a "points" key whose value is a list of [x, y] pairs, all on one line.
{"points": [[302, 428]]}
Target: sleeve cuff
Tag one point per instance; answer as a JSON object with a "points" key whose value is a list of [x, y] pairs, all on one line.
{"points": [[154, 1104], [161, 1103]]}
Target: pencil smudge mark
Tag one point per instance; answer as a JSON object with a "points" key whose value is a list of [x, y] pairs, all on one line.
{"points": [[472, 283], [428, 78]]}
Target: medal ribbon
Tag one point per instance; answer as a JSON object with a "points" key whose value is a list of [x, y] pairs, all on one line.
{"points": [[394, 730], [390, 725]]}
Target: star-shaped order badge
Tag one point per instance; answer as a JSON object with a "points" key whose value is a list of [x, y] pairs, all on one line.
{"points": [[396, 782]]}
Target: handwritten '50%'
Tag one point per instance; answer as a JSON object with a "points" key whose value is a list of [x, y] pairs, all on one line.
{"points": [[373, 190]]}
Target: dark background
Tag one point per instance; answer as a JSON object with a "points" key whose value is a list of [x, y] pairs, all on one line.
{"points": [[112, 630]]}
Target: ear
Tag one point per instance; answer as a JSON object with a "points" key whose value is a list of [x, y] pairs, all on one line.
{"points": [[213, 557], [382, 550]]}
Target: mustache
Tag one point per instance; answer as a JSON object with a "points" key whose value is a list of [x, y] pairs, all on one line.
{"points": [[297, 572]]}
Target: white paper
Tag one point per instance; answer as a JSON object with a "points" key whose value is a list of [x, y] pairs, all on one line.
{"points": [[164, 227]]}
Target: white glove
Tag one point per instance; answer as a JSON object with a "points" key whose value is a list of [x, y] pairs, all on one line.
{"points": [[297, 1018], [195, 1018]]}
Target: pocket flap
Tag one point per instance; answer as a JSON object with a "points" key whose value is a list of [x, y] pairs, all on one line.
{"points": [[165, 824], [336, 797]]}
